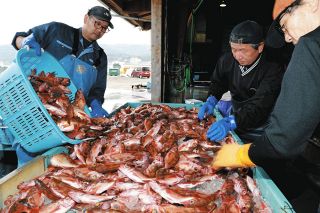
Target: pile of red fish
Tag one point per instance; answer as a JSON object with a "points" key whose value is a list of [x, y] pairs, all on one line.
{"points": [[153, 158], [69, 116]]}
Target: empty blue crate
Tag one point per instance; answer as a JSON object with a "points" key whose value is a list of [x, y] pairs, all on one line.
{"points": [[20, 107]]}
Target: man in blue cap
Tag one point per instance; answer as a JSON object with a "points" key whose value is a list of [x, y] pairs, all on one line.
{"points": [[78, 52], [253, 80]]}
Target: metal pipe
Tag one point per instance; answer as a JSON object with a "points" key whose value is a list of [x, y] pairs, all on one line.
{"points": [[131, 18]]}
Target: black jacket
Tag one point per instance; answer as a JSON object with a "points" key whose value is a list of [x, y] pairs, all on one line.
{"points": [[254, 94], [297, 111]]}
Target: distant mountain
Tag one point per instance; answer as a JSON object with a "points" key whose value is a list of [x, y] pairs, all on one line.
{"points": [[125, 52], [115, 52]]}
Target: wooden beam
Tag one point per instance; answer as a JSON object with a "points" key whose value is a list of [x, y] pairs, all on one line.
{"points": [[137, 6], [145, 15], [117, 7], [156, 50], [114, 5]]}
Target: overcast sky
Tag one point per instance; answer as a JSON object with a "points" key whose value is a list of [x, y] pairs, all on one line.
{"points": [[21, 15]]}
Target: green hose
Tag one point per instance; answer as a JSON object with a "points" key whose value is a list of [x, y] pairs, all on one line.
{"points": [[186, 80], [187, 70]]}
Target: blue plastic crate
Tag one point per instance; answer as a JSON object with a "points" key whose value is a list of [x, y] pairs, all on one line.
{"points": [[22, 110]]}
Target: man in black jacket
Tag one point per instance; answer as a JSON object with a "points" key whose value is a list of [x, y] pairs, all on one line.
{"points": [[253, 80]]}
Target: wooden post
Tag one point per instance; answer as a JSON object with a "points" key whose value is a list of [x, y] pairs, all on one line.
{"points": [[156, 51]]}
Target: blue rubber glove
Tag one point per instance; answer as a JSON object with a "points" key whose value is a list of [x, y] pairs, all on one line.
{"points": [[23, 156], [224, 107], [32, 43], [97, 110], [220, 129], [208, 107]]}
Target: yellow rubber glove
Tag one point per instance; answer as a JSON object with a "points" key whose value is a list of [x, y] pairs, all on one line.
{"points": [[233, 156]]}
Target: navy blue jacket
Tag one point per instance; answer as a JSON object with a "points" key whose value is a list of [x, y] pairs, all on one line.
{"points": [[58, 38]]}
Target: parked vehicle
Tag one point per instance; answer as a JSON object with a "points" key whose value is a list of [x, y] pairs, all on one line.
{"points": [[141, 72], [114, 72], [129, 71]]}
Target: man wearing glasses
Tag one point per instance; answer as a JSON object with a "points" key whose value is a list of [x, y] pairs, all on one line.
{"points": [[78, 52], [294, 130]]}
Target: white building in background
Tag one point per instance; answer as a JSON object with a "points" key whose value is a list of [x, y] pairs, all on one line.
{"points": [[135, 60]]}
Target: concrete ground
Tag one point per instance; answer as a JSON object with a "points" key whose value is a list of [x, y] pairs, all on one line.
{"points": [[121, 89]]}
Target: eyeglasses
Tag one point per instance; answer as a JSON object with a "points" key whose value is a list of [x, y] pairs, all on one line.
{"points": [[98, 25], [287, 10]]}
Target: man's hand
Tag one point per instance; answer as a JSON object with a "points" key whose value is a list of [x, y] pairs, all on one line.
{"points": [[31, 42], [232, 156], [220, 129], [97, 110], [208, 107]]}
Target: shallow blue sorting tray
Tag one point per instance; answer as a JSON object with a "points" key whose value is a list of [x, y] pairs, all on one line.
{"points": [[270, 192], [20, 107]]}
